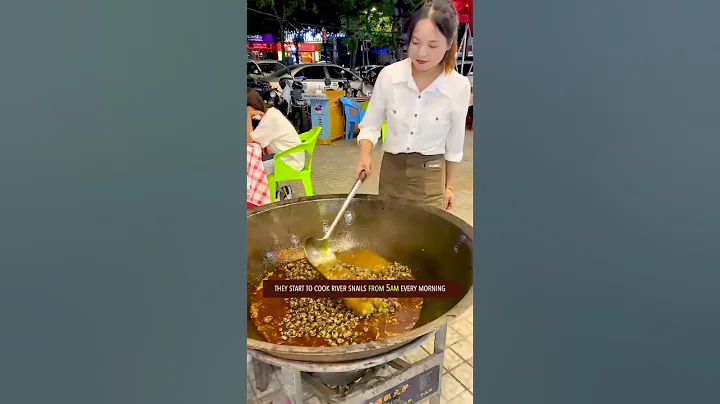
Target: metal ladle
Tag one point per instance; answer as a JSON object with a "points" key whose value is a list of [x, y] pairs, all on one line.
{"points": [[317, 251]]}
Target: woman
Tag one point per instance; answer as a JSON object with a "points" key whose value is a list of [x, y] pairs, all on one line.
{"points": [[272, 130], [425, 102]]}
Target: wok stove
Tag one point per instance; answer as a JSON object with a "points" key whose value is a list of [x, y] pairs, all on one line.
{"points": [[378, 380]]}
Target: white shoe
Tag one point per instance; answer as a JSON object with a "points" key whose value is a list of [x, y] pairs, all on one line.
{"points": [[288, 194], [284, 193]]}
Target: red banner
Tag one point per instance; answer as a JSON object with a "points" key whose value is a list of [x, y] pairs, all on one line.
{"points": [[341, 289], [465, 10]]}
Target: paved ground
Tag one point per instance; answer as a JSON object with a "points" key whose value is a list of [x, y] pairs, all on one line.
{"points": [[333, 169]]}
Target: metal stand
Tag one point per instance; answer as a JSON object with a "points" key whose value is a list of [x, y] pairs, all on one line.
{"points": [[262, 370], [384, 377], [465, 43]]}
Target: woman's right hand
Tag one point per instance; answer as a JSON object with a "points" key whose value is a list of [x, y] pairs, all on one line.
{"points": [[254, 113], [365, 163]]}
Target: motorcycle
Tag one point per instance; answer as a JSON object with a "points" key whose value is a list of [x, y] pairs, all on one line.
{"points": [[270, 95], [371, 77], [298, 108], [350, 92], [365, 89]]}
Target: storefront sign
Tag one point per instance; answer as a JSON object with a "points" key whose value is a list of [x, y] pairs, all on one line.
{"points": [[308, 47], [264, 38], [288, 47], [302, 47], [260, 46]]}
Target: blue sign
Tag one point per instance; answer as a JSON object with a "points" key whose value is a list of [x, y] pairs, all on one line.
{"points": [[319, 113]]}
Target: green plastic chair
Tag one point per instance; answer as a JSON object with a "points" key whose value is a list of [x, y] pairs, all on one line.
{"points": [[384, 127], [283, 172]]}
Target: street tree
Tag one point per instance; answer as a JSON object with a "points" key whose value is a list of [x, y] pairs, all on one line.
{"points": [[362, 21], [377, 22], [283, 10]]}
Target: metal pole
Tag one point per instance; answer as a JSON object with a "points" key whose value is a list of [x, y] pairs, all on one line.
{"points": [[463, 44]]}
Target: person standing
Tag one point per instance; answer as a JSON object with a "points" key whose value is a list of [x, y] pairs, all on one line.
{"points": [[425, 102]]}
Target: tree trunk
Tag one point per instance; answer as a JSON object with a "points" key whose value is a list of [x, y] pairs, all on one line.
{"points": [[282, 41], [282, 31]]}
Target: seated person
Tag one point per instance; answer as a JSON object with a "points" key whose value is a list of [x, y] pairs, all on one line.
{"points": [[268, 127]]}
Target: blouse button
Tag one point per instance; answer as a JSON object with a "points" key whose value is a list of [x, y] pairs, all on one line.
{"points": [[412, 133], [394, 111], [415, 115], [436, 118], [419, 95]]}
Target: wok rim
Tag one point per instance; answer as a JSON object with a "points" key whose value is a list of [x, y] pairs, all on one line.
{"points": [[457, 310]]}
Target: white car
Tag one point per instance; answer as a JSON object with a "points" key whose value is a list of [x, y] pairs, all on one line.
{"points": [[257, 69], [313, 76]]}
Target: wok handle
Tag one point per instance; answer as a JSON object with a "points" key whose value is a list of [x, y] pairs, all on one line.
{"points": [[345, 204]]}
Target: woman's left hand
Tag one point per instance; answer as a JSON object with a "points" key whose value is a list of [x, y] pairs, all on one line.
{"points": [[449, 198]]}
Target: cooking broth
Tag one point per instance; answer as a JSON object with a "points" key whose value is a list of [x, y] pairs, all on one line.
{"points": [[318, 322]]}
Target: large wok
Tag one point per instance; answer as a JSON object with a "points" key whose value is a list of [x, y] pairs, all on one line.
{"points": [[435, 244]]}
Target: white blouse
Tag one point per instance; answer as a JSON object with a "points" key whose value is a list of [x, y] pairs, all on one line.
{"points": [[277, 134], [431, 122]]}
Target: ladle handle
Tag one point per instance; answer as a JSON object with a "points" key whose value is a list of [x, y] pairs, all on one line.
{"points": [[362, 177]]}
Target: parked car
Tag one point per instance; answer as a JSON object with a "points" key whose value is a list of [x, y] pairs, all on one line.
{"points": [[313, 75], [257, 69]]}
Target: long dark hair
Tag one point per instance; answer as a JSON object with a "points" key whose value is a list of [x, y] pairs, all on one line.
{"points": [[444, 15], [255, 100]]}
